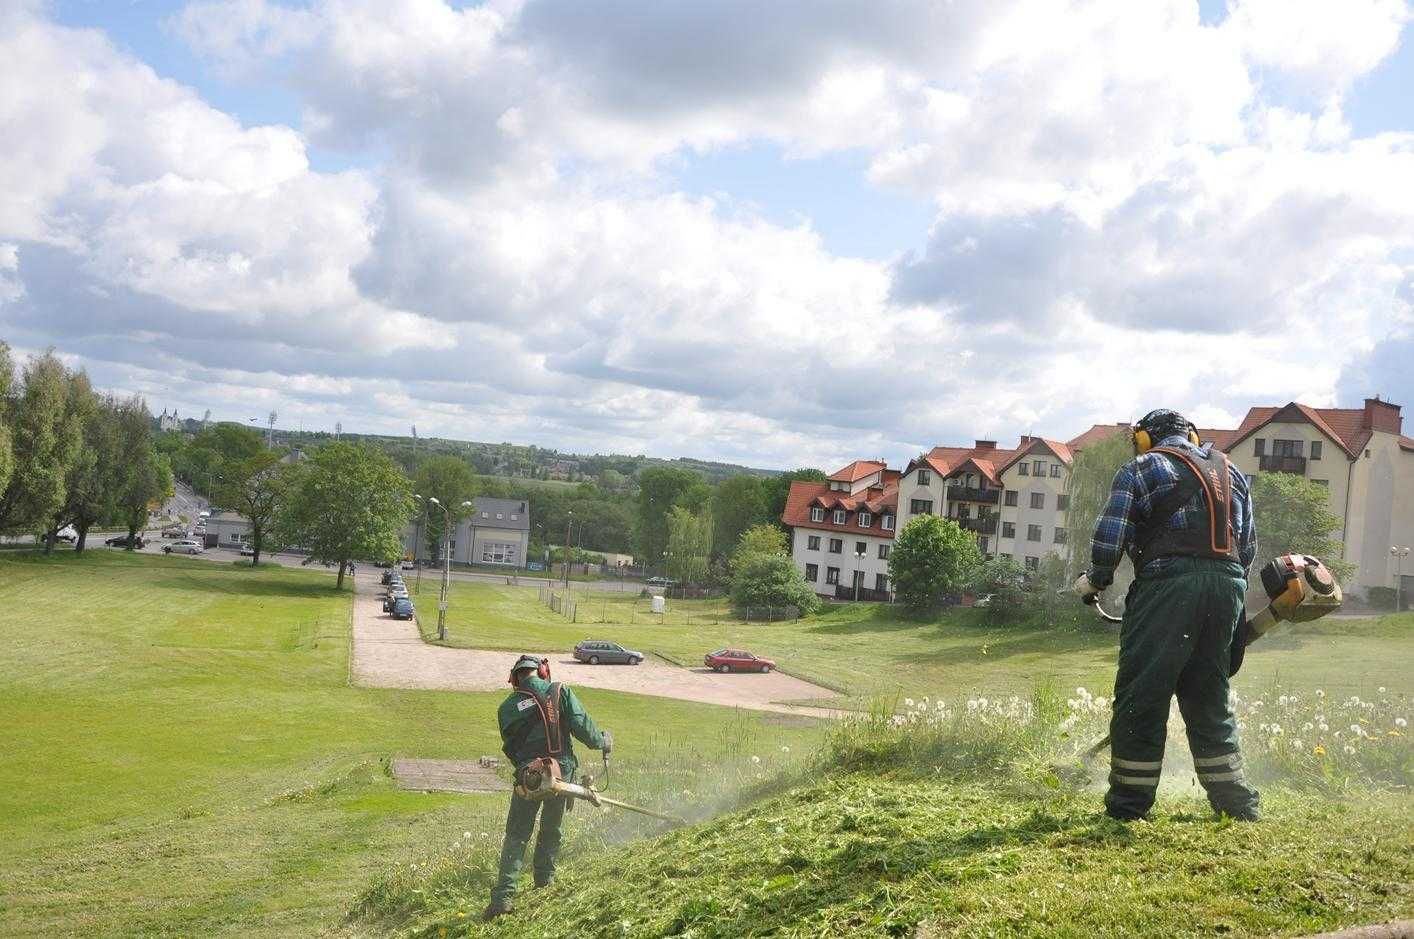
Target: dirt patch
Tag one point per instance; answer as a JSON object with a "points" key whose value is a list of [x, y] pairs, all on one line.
{"points": [[450, 776]]}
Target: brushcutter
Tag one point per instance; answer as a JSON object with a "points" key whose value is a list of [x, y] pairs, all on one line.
{"points": [[540, 780], [1300, 589]]}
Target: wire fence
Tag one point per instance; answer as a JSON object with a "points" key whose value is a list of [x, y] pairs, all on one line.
{"points": [[560, 601]]}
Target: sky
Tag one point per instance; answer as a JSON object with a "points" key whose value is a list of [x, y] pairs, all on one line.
{"points": [[782, 234]]}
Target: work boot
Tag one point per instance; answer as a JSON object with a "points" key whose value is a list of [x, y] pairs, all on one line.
{"points": [[494, 909], [541, 884]]}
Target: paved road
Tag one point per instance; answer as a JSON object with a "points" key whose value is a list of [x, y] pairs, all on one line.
{"points": [[389, 653]]}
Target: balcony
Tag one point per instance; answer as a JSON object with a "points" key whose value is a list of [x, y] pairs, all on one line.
{"points": [[1283, 464], [982, 526], [968, 494]]}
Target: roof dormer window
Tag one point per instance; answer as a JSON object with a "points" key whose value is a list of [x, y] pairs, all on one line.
{"points": [[817, 514], [865, 519], [841, 516]]}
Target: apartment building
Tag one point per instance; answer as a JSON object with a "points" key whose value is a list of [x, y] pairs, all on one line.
{"points": [[842, 530], [1360, 455], [1035, 496]]}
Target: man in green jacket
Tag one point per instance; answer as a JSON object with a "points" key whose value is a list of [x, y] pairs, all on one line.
{"points": [[534, 720]]}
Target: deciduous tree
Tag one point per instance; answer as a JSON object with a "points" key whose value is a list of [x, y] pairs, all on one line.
{"points": [[346, 502], [451, 481], [1292, 516], [659, 488], [764, 580], [737, 504], [777, 488], [689, 544], [932, 557], [255, 487], [42, 447]]}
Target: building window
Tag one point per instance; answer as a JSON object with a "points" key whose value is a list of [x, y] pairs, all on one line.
{"points": [[886, 522], [1032, 563], [881, 583], [961, 509], [812, 543], [1062, 502], [1011, 495], [1033, 532], [972, 480], [497, 552], [1288, 447], [1316, 447], [832, 575], [1038, 468], [1259, 447], [1055, 470], [1060, 536], [865, 519], [812, 572], [1008, 529], [514, 517], [920, 506], [1025, 468], [500, 515], [836, 545], [884, 550], [1038, 500], [817, 514], [861, 547], [840, 516], [924, 477]]}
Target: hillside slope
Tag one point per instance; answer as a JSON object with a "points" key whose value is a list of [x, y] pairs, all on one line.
{"points": [[954, 822]]}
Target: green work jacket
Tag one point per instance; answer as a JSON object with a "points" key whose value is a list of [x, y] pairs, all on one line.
{"points": [[523, 730]]}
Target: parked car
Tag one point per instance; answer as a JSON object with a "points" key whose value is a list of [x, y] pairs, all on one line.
{"points": [[661, 582], [600, 652], [402, 608], [121, 541], [67, 533], [387, 577], [392, 597], [406, 564], [247, 551], [175, 531], [185, 546], [737, 660]]}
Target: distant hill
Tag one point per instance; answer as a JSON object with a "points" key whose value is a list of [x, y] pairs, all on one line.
{"points": [[527, 462]]}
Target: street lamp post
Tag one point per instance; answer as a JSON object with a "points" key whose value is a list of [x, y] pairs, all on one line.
{"points": [[417, 545], [858, 560], [569, 519], [1399, 552], [446, 567]]}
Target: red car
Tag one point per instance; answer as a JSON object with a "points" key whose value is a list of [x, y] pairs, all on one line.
{"points": [[737, 660]]}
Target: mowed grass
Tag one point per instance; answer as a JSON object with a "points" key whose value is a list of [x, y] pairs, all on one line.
{"points": [[869, 649], [183, 754]]}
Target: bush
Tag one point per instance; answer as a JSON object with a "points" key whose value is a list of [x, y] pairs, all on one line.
{"points": [[932, 558], [1380, 598], [1003, 580], [771, 580]]}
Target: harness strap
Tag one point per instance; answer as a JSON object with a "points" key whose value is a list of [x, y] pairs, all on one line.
{"points": [[550, 716], [1217, 490]]}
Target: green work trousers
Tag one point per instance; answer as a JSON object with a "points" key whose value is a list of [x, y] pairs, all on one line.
{"points": [[1179, 620], [520, 822]]}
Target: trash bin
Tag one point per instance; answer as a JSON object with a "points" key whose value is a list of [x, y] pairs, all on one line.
{"points": [[659, 604]]}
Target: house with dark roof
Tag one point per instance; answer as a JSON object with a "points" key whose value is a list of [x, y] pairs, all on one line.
{"points": [[842, 530], [496, 531], [1360, 455]]}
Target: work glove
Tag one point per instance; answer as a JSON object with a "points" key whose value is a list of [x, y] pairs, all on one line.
{"points": [[606, 742], [1085, 590]]}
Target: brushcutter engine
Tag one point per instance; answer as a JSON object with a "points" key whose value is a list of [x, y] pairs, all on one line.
{"points": [[1300, 588]]}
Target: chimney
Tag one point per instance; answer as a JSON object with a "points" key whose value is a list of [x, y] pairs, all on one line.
{"points": [[1381, 415], [986, 445], [1025, 441]]}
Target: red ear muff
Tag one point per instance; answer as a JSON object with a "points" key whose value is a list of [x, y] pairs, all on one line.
{"points": [[544, 670]]}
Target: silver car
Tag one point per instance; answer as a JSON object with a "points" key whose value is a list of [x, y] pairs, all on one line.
{"points": [[185, 546]]}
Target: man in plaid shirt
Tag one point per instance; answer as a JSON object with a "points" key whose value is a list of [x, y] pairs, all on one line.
{"points": [[1183, 514]]}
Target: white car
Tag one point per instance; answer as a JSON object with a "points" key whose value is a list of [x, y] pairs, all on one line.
{"points": [[183, 547]]}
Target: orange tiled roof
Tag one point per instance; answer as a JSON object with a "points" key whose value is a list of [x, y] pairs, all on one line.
{"points": [[1095, 434], [856, 471], [1061, 451], [1344, 426], [877, 500]]}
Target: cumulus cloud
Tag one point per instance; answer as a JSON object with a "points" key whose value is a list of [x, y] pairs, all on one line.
{"points": [[515, 263]]}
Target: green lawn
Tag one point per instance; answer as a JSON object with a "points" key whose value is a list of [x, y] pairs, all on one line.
{"points": [[870, 648], [183, 753]]}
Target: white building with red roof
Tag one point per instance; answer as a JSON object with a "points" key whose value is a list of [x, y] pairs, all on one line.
{"points": [[1361, 455], [842, 530]]}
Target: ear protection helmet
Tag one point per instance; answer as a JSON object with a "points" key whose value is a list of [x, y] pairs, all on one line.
{"points": [[1156, 425], [526, 662]]}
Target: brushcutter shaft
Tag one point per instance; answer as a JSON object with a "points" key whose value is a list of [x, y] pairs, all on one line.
{"points": [[576, 791]]}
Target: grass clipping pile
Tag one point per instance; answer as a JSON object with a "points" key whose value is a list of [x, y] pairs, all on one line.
{"points": [[929, 819]]}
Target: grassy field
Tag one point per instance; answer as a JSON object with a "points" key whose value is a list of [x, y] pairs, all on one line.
{"points": [[183, 754], [869, 649]]}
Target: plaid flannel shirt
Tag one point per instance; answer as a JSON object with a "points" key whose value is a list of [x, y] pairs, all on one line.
{"points": [[1137, 484]]}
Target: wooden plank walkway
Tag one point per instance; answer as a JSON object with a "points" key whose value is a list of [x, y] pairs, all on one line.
{"points": [[451, 775]]}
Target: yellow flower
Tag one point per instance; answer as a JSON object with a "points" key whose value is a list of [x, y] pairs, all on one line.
{"points": [[1364, 720], [1394, 733], [1319, 751]]}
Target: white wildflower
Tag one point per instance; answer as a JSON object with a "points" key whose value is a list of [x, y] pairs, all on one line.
{"points": [[756, 759], [1382, 689], [1102, 701], [908, 702], [1296, 744], [1349, 748], [1324, 727], [981, 702], [1308, 726], [1400, 722], [1320, 693], [1283, 700], [785, 749]]}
